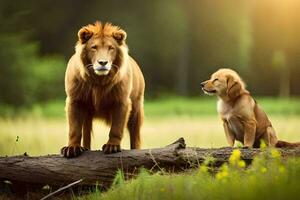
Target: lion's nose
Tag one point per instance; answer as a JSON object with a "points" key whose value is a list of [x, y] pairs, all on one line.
{"points": [[102, 63]]}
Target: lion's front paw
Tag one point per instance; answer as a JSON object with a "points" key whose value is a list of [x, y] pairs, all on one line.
{"points": [[111, 148], [72, 151]]}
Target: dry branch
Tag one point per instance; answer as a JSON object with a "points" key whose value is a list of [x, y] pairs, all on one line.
{"points": [[96, 167]]}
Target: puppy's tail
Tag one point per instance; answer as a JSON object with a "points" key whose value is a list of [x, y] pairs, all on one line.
{"points": [[284, 144]]}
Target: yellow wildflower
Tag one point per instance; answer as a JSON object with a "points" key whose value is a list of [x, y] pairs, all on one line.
{"points": [[222, 174], [235, 157], [241, 164], [263, 144], [224, 167], [281, 169], [275, 153], [263, 170], [203, 168], [236, 153]]}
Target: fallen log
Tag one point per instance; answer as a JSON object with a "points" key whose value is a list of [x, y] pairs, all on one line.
{"points": [[95, 167]]}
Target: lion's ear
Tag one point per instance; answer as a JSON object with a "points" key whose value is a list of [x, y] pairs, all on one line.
{"points": [[120, 36], [84, 34], [233, 87]]}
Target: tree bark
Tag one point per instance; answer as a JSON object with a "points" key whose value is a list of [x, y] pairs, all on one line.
{"points": [[95, 167]]}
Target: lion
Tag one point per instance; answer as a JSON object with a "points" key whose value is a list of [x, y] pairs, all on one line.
{"points": [[103, 81]]}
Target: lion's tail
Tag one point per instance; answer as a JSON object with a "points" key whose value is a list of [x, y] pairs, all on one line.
{"points": [[282, 144]]}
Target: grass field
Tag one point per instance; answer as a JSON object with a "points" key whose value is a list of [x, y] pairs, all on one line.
{"points": [[267, 178], [43, 130], [39, 136]]}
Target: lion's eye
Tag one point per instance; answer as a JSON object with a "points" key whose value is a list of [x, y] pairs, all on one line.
{"points": [[94, 47], [111, 48]]}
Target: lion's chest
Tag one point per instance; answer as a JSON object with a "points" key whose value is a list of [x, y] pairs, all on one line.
{"points": [[102, 100]]}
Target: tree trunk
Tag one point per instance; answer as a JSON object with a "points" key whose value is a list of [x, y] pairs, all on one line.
{"points": [[182, 69], [284, 88], [95, 167]]}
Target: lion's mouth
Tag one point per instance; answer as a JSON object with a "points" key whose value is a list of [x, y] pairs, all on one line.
{"points": [[100, 70]]}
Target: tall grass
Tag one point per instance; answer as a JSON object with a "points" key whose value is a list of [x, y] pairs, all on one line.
{"points": [[269, 177], [43, 129], [40, 136]]}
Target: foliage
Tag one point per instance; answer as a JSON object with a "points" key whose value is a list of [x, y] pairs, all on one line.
{"points": [[26, 77], [269, 177], [178, 44]]}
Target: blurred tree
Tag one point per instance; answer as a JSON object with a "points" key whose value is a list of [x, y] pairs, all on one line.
{"points": [[219, 37], [279, 63], [25, 76], [276, 46], [177, 43]]}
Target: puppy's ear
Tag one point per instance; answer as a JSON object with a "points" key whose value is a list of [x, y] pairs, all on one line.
{"points": [[120, 36], [233, 87], [84, 34]]}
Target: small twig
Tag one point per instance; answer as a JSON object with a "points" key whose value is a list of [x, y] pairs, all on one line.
{"points": [[155, 162], [15, 147], [61, 189]]}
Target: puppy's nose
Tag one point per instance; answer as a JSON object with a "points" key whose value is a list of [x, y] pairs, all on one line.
{"points": [[102, 63], [203, 84]]}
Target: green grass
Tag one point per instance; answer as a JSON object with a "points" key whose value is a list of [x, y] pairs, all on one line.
{"points": [[267, 178], [207, 106], [40, 136], [166, 107], [42, 129]]}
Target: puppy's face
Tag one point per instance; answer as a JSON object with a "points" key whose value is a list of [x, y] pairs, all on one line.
{"points": [[223, 83]]}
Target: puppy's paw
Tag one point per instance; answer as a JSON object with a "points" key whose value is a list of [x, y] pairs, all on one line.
{"points": [[111, 148], [72, 151]]}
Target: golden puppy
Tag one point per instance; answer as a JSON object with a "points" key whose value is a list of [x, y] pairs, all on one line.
{"points": [[243, 119]]}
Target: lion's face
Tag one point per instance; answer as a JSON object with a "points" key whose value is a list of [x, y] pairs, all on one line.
{"points": [[102, 52], [102, 45]]}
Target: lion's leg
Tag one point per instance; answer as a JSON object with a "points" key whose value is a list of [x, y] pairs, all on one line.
{"points": [[134, 125], [76, 114], [120, 114], [87, 131]]}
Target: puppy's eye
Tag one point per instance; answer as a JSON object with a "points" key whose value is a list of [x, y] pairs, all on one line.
{"points": [[94, 47], [111, 48], [216, 79]]}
